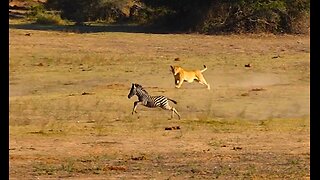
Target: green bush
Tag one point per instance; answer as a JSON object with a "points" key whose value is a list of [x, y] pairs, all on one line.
{"points": [[49, 19], [89, 10], [35, 10], [41, 16]]}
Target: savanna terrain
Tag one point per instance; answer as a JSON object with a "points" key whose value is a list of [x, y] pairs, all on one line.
{"points": [[70, 117]]}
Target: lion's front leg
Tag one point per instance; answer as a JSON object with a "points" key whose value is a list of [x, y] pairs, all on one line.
{"points": [[179, 83]]}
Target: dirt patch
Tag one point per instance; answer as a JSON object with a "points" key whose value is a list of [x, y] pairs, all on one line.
{"points": [[117, 86]]}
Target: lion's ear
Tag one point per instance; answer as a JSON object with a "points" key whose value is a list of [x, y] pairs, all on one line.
{"points": [[171, 67]]}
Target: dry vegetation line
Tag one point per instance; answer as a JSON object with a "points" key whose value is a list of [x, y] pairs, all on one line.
{"points": [[150, 101]]}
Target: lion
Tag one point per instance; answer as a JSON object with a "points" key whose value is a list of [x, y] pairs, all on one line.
{"points": [[181, 75]]}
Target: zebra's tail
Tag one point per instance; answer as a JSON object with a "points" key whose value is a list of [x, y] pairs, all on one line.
{"points": [[172, 100]]}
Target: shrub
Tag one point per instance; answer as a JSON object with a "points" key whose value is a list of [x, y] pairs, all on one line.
{"points": [[49, 19], [89, 10], [39, 14]]}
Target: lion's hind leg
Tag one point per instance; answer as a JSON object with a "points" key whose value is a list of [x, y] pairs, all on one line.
{"points": [[203, 81]]}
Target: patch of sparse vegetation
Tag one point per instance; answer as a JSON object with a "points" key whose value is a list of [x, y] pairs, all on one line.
{"points": [[82, 165], [223, 125], [277, 124]]}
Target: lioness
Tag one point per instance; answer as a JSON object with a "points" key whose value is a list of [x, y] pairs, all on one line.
{"points": [[181, 75]]}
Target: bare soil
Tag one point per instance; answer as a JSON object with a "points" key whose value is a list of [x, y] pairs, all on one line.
{"points": [[70, 117]]}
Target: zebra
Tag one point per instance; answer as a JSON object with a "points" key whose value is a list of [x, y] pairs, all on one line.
{"points": [[150, 101]]}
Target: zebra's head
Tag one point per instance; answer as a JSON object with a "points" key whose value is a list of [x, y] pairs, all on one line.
{"points": [[136, 89], [133, 91]]}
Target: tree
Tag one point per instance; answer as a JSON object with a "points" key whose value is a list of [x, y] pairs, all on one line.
{"points": [[233, 15], [204, 16]]}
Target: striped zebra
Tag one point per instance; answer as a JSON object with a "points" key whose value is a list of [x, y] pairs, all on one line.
{"points": [[150, 101]]}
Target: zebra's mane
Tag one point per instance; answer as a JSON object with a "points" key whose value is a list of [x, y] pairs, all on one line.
{"points": [[141, 88]]}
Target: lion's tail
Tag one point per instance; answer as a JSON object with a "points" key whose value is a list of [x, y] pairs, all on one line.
{"points": [[205, 68], [172, 100]]}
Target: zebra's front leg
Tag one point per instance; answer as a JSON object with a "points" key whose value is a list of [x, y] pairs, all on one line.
{"points": [[135, 105]]}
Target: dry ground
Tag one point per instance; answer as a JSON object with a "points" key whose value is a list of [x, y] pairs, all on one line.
{"points": [[70, 117]]}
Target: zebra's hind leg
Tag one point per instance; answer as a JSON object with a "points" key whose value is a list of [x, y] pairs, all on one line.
{"points": [[174, 111], [168, 107]]}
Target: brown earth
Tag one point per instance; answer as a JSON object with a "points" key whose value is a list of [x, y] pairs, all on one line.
{"points": [[70, 117], [25, 3]]}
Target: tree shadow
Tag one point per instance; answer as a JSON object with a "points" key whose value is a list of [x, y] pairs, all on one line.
{"points": [[127, 28]]}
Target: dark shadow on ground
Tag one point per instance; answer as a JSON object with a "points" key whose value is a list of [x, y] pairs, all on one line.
{"points": [[92, 28]]}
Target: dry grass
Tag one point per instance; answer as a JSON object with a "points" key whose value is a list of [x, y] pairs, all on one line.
{"points": [[70, 115]]}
